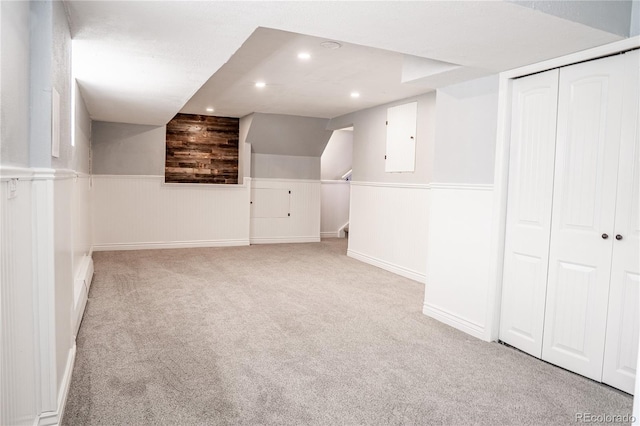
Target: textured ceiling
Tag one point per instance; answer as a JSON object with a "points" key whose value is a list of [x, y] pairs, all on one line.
{"points": [[319, 86], [141, 62]]}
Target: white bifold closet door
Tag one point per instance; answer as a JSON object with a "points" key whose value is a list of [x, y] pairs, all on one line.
{"points": [[533, 138], [584, 205], [623, 322], [571, 286]]}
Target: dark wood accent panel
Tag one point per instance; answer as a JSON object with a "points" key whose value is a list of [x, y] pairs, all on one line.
{"points": [[202, 149]]}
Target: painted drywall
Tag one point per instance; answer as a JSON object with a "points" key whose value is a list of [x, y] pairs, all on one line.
{"points": [[82, 149], [244, 149], [14, 75], [40, 75], [337, 157], [288, 135], [127, 149], [610, 16], [369, 141], [60, 78], [284, 167], [634, 28], [466, 126]]}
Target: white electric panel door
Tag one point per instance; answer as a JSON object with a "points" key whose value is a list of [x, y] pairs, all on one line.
{"points": [[582, 234], [623, 323], [270, 202], [401, 138], [530, 193]]}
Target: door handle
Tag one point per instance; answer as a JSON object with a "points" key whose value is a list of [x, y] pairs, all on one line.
{"points": [[618, 237], [605, 236]]}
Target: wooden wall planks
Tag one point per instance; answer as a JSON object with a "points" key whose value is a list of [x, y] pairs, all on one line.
{"points": [[202, 149]]}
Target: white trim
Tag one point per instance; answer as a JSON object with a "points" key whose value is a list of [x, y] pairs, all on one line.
{"points": [[501, 172], [285, 180], [469, 327], [387, 266], [59, 174], [331, 234], [168, 245], [392, 184], [463, 186], [35, 173], [95, 176], [177, 184], [335, 182], [280, 240], [55, 417], [584, 55], [11, 172]]}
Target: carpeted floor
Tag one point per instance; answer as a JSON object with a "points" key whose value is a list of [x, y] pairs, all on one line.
{"points": [[295, 334]]}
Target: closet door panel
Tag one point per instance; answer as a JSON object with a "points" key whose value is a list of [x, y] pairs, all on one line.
{"points": [[586, 163], [623, 323], [529, 197]]}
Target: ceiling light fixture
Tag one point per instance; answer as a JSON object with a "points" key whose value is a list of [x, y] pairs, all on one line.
{"points": [[355, 94], [210, 109], [332, 45], [304, 56], [260, 84]]}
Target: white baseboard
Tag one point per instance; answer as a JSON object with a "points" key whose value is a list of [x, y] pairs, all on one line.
{"points": [[79, 309], [279, 240], [476, 330], [333, 234], [168, 245], [55, 418], [387, 266]]}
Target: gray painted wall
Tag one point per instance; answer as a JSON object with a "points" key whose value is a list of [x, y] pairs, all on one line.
{"points": [[606, 15], [36, 56], [127, 149], [370, 140], [82, 150], [244, 148], [61, 80], [284, 166], [41, 43], [14, 72], [466, 126], [634, 29], [288, 135], [337, 157]]}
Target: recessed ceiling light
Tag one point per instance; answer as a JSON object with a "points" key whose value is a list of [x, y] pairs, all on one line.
{"points": [[355, 94], [331, 45], [304, 56], [209, 109], [260, 84]]}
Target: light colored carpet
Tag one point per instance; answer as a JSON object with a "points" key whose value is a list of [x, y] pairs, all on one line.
{"points": [[295, 334]]}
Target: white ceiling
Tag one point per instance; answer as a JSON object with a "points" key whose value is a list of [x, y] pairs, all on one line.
{"points": [[140, 62], [320, 86]]}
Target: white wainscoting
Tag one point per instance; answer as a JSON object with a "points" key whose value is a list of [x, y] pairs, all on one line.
{"points": [[142, 212], [18, 326], [37, 258], [458, 263], [302, 226], [334, 211], [389, 225], [82, 242]]}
